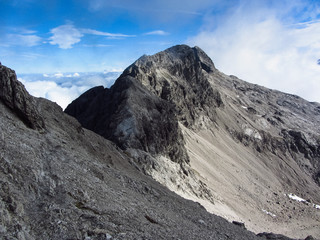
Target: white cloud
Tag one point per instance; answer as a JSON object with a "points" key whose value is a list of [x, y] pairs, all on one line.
{"points": [[177, 12], [63, 95], [113, 70], [97, 45], [266, 51], [65, 36], [106, 34], [54, 92], [72, 75], [66, 87], [155, 7], [23, 40], [157, 32], [30, 55], [58, 75]]}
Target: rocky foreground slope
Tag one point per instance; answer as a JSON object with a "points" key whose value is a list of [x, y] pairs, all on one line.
{"points": [[61, 181], [240, 149]]}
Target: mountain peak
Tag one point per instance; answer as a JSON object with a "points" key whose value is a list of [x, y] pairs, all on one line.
{"points": [[144, 106], [200, 132], [179, 75], [177, 55]]}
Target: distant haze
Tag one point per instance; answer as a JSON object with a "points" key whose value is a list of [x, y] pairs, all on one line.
{"points": [[63, 88]]}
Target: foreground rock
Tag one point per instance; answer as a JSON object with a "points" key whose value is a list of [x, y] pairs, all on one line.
{"points": [[66, 182], [14, 96], [238, 148]]}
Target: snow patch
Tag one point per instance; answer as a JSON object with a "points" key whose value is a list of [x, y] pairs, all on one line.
{"points": [[299, 199], [248, 131], [268, 213], [252, 133], [257, 136], [296, 198], [244, 107]]}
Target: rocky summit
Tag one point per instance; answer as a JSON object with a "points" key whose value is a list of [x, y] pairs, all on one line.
{"points": [[245, 152]]}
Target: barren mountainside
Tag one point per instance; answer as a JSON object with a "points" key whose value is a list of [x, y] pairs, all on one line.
{"points": [[172, 124], [61, 181], [239, 149]]}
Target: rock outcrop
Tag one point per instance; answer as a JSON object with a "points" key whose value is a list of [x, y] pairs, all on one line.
{"points": [[132, 117], [14, 95], [283, 124]]}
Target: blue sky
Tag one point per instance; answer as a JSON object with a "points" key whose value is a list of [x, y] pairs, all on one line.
{"points": [[39, 36], [274, 43]]}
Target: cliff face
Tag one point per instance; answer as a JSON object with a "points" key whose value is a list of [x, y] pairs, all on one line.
{"points": [[142, 109], [235, 147], [62, 181], [132, 117], [14, 96]]}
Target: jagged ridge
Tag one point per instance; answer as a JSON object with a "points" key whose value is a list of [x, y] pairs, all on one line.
{"points": [[226, 122], [69, 183], [144, 106]]}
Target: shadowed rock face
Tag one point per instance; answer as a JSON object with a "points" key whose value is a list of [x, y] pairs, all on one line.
{"points": [[144, 106], [14, 96], [132, 117]]}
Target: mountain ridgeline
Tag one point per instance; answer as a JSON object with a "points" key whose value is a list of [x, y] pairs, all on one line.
{"points": [[142, 109], [171, 121], [200, 132], [61, 181]]}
